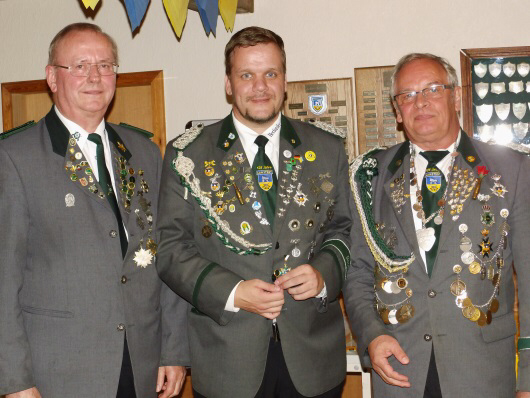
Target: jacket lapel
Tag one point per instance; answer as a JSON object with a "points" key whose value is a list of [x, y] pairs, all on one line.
{"points": [[76, 165], [290, 171], [399, 168]]}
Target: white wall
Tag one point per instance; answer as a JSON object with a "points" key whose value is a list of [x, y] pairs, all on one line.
{"points": [[324, 39]]}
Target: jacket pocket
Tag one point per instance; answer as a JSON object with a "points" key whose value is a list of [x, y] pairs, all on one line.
{"points": [[500, 328], [47, 312]]}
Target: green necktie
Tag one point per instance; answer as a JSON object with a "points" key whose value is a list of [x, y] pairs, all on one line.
{"points": [[106, 185], [266, 178], [434, 180]]}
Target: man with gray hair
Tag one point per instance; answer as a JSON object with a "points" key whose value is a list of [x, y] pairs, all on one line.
{"points": [[83, 313], [430, 292]]}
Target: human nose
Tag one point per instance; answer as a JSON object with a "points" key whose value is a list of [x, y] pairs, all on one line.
{"points": [[260, 84], [93, 72], [421, 100]]}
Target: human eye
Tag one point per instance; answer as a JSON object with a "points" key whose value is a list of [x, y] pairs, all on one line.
{"points": [[435, 89], [79, 67], [271, 74], [408, 96], [105, 66], [246, 76]]}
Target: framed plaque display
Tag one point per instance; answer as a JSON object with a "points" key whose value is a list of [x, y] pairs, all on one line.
{"points": [[496, 95], [328, 101], [376, 119], [139, 101]]}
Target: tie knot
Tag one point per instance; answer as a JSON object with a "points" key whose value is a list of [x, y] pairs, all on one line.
{"points": [[261, 141], [95, 138], [433, 157]]}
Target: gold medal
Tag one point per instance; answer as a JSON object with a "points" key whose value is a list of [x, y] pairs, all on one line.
{"points": [[405, 313], [494, 306], [457, 287], [476, 314], [474, 267], [384, 316]]}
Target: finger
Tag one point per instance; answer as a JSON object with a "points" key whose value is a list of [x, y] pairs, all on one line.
{"points": [[271, 315], [170, 386], [275, 309], [178, 385], [160, 379], [268, 287], [390, 373], [400, 355]]}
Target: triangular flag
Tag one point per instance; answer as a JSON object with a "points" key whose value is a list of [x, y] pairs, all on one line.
{"points": [[136, 11], [90, 4], [177, 11], [227, 9], [208, 10]]}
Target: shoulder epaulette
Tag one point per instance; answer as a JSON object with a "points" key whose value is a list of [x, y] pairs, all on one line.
{"points": [[142, 131], [17, 129], [512, 145], [187, 137], [329, 128]]}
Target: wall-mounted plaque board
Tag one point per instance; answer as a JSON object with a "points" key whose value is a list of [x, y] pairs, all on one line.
{"points": [[329, 101], [496, 94], [139, 101], [376, 119]]}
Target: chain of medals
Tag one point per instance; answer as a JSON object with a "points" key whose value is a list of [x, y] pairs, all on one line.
{"points": [[426, 236], [490, 269], [184, 167]]}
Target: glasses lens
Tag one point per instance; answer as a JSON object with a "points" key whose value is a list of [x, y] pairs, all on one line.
{"points": [[107, 69], [406, 98], [433, 91]]}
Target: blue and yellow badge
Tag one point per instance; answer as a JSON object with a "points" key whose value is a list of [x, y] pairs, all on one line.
{"points": [[264, 175], [433, 179]]}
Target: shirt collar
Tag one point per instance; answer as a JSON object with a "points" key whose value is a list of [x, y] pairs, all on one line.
{"points": [[248, 136], [451, 148], [79, 133]]}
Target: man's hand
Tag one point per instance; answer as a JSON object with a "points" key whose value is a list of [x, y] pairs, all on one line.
{"points": [[30, 393], [522, 394], [302, 282], [260, 297], [170, 380], [380, 349]]}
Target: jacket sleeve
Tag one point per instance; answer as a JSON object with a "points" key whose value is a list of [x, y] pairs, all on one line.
{"points": [[204, 284], [15, 356], [333, 256]]}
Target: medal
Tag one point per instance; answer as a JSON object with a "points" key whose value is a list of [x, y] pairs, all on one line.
{"points": [[426, 238]]}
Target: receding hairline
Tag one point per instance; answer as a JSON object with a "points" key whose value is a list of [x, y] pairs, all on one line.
{"points": [[74, 28]]}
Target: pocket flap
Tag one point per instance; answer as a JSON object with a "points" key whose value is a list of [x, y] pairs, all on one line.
{"points": [[500, 328]]}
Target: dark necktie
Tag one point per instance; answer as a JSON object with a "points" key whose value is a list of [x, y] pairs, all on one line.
{"points": [[432, 190], [106, 185], [266, 177]]}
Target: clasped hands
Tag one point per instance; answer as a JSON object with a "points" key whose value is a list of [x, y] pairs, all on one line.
{"points": [[267, 299]]}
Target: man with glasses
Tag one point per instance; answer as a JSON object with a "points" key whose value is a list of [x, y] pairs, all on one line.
{"points": [[83, 312], [430, 292]]}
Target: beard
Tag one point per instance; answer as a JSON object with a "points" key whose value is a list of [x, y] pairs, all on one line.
{"points": [[247, 115]]}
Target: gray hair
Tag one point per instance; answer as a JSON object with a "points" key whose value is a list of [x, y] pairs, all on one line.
{"points": [[451, 72], [79, 27]]}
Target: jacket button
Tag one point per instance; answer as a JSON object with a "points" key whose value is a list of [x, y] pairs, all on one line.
{"points": [[113, 233], [121, 327], [432, 293], [123, 279], [427, 337], [277, 245]]}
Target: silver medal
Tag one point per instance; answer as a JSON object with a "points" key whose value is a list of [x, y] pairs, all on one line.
{"points": [[426, 238], [467, 257], [465, 244]]}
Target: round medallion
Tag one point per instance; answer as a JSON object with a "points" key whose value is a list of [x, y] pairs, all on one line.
{"points": [[457, 268], [294, 225], [474, 267], [296, 252], [287, 153], [310, 156], [458, 287], [467, 257], [207, 231], [462, 228], [505, 213], [465, 244]]}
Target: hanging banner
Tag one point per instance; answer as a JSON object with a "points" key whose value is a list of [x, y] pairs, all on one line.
{"points": [[227, 9], [136, 11], [208, 10], [177, 12]]}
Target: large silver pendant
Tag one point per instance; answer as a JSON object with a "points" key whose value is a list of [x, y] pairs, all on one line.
{"points": [[426, 238]]}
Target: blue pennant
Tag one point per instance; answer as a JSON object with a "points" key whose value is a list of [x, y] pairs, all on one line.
{"points": [[208, 10], [136, 11]]}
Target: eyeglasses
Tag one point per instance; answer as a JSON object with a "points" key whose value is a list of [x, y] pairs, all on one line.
{"points": [[103, 68], [432, 92]]}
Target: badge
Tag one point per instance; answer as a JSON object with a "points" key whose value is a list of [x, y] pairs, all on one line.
{"points": [[287, 153], [318, 104], [495, 69], [482, 89], [72, 142], [73, 177], [265, 178], [516, 87], [69, 200], [498, 88], [239, 157], [505, 213], [426, 238], [470, 159], [523, 69], [248, 178], [206, 231], [480, 70], [232, 208], [78, 155], [294, 225], [310, 156], [231, 136], [499, 190], [520, 129], [508, 69], [83, 181], [433, 179], [143, 257], [256, 205], [484, 112], [502, 110], [121, 147], [246, 228], [300, 198]]}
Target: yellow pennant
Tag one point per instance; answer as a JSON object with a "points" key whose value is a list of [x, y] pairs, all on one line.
{"points": [[177, 11], [90, 4], [227, 9]]}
